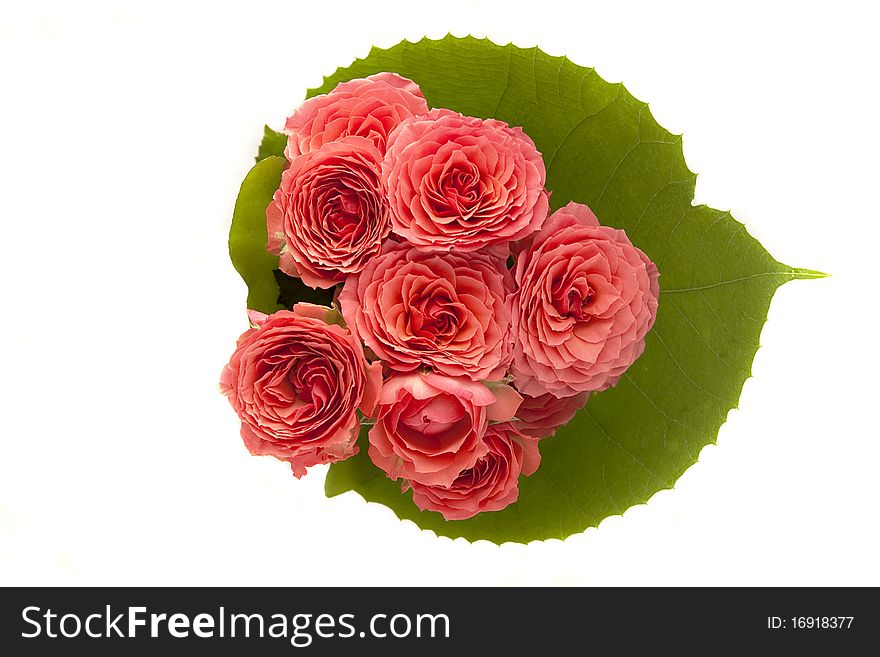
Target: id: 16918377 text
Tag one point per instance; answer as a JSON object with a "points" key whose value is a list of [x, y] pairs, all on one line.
{"points": [[810, 622]]}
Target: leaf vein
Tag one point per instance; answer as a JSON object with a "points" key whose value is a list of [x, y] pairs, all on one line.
{"points": [[574, 127], [651, 201], [686, 375], [709, 286], [650, 470], [668, 417], [699, 335]]}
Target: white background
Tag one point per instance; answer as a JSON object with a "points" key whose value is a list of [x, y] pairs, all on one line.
{"points": [[124, 134]]}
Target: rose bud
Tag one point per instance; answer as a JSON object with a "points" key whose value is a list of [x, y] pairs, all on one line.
{"points": [[367, 107], [296, 382], [491, 484], [458, 182], [447, 312], [586, 298], [430, 427], [329, 216]]}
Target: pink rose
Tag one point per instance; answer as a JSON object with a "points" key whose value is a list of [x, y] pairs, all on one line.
{"points": [[329, 216], [491, 484], [369, 107], [431, 427], [465, 183], [586, 299], [541, 416], [296, 382], [449, 312]]}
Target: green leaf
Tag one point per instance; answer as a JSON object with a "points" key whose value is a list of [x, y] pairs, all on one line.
{"points": [[248, 238], [602, 147], [273, 144], [269, 288]]}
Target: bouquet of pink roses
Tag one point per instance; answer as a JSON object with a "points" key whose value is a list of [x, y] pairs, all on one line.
{"points": [[431, 296], [465, 322]]}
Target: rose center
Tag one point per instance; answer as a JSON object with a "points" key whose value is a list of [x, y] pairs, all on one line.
{"points": [[575, 302], [435, 318], [309, 382], [435, 425], [482, 470], [343, 212], [460, 187]]}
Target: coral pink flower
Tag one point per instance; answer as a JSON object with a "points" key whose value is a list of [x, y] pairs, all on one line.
{"points": [[431, 427], [458, 182], [329, 216], [296, 382], [541, 416], [586, 299], [491, 484], [368, 107], [447, 312]]}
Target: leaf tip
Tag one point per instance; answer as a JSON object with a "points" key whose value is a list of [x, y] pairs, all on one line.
{"points": [[806, 274]]}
